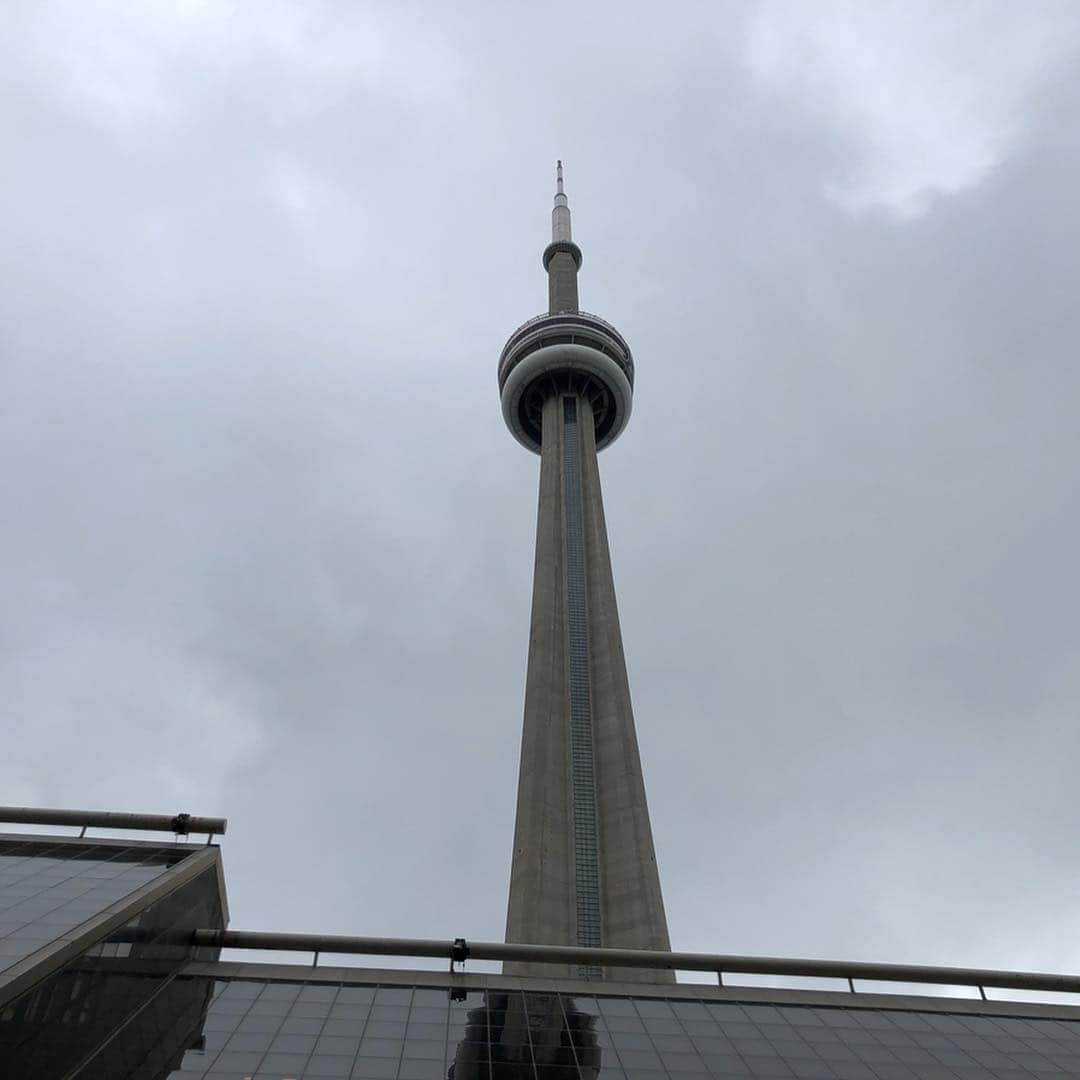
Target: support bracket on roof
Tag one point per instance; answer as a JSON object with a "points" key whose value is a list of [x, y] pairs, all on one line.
{"points": [[459, 952]]}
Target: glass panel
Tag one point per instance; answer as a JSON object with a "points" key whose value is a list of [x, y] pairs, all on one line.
{"points": [[543, 1036], [117, 1004], [48, 890]]}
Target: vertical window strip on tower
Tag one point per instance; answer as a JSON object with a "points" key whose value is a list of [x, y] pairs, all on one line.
{"points": [[586, 859]]}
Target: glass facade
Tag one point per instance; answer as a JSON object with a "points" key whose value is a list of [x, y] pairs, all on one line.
{"points": [[49, 889], [264, 1030], [142, 1003], [118, 1009]]}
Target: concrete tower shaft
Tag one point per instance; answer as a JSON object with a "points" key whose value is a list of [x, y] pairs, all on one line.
{"points": [[562, 257], [584, 866]]}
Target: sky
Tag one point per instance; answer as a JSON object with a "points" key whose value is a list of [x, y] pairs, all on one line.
{"points": [[266, 545]]}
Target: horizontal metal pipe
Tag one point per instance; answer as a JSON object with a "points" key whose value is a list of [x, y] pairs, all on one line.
{"points": [[107, 819], [641, 958]]}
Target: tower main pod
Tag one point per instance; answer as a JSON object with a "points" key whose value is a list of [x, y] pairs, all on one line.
{"points": [[584, 867]]}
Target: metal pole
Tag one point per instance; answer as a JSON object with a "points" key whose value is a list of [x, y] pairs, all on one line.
{"points": [[107, 819], [641, 958]]}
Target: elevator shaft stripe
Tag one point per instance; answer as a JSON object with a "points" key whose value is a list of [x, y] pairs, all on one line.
{"points": [[583, 780]]}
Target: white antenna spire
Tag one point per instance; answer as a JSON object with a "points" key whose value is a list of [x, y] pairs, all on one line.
{"points": [[560, 216]]}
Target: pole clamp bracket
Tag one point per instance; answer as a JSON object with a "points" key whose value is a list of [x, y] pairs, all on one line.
{"points": [[459, 952]]}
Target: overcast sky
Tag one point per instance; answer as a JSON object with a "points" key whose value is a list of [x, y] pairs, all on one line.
{"points": [[266, 545]]}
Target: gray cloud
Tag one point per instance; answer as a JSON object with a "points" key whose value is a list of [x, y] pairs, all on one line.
{"points": [[267, 548], [927, 103]]}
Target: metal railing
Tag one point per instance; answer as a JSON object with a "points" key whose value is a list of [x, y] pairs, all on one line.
{"points": [[585, 319], [560, 314], [180, 824], [459, 950]]}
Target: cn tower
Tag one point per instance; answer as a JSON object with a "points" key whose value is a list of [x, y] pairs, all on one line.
{"points": [[584, 867]]}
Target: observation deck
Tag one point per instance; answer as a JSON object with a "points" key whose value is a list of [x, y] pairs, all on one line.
{"points": [[572, 350]]}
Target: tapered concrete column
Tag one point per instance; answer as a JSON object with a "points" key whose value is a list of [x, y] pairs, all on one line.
{"points": [[633, 905], [584, 868], [542, 889]]}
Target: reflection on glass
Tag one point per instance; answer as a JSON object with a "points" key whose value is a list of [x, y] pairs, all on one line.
{"points": [[522, 1036], [116, 1009], [47, 890]]}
